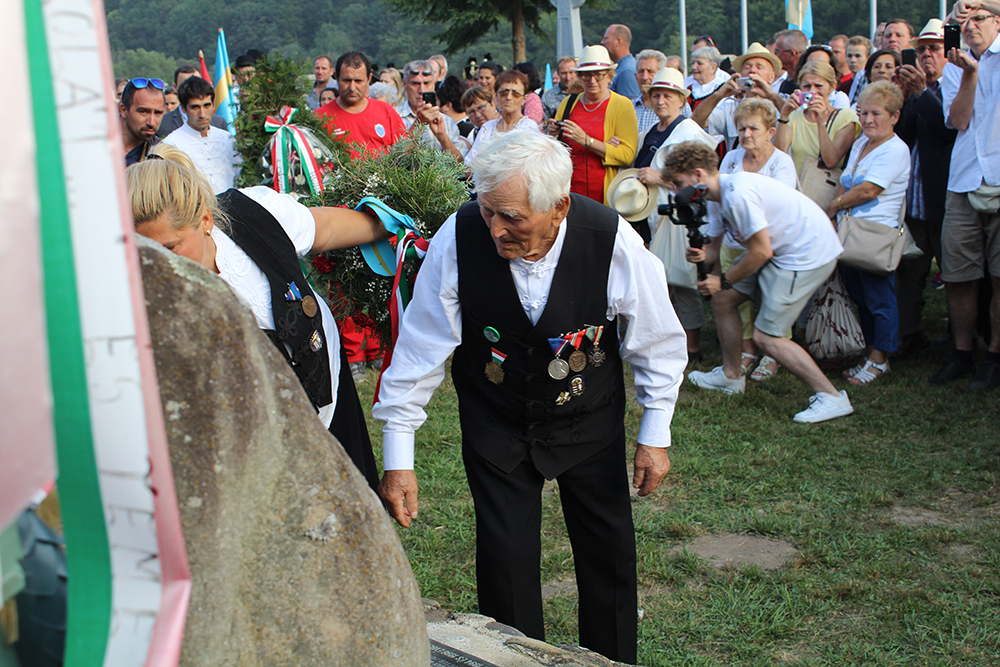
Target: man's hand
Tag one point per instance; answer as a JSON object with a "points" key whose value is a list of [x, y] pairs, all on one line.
{"points": [[398, 491], [911, 79], [694, 255], [430, 115], [651, 465], [648, 175], [710, 285], [962, 59]]}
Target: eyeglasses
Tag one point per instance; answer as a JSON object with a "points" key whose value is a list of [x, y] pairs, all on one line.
{"points": [[979, 18], [507, 92], [142, 82], [933, 48], [428, 73], [596, 76], [477, 110]]}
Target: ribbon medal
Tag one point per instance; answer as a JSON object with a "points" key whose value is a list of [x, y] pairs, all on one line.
{"points": [[494, 372], [577, 360], [293, 293], [597, 355], [558, 368]]}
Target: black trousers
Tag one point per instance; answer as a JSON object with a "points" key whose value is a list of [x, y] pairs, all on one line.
{"points": [[598, 513], [349, 427]]}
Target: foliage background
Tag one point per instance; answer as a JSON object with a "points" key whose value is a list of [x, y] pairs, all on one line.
{"points": [[149, 37]]}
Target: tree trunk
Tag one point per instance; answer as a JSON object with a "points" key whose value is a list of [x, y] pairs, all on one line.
{"points": [[517, 29]]}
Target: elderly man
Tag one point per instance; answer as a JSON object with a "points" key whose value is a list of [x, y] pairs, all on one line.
{"points": [[715, 113], [438, 128], [647, 64], [788, 46], [553, 97], [140, 112], [527, 287], [922, 126], [791, 250], [441, 64], [323, 75], [970, 236], [618, 40]]}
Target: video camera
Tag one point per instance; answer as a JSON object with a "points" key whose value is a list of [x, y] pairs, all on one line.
{"points": [[688, 209]]}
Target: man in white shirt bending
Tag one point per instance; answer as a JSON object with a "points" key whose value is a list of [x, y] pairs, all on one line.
{"points": [[792, 248], [210, 148]]}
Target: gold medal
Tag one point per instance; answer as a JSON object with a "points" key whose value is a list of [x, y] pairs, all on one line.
{"points": [[577, 361], [309, 306], [494, 373], [563, 398]]}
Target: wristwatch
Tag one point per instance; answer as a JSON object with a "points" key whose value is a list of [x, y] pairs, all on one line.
{"points": [[725, 282]]}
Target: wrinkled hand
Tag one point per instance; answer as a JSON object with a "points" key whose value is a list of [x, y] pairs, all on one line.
{"points": [[430, 115], [398, 491], [912, 80], [650, 467], [613, 141], [789, 107], [695, 255], [964, 60], [710, 285], [820, 107], [573, 131]]}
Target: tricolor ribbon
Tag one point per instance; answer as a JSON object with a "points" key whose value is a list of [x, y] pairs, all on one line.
{"points": [[575, 338], [498, 356], [557, 345], [289, 139]]}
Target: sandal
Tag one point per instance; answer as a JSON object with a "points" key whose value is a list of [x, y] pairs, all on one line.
{"points": [[870, 371], [854, 370], [762, 372], [747, 365]]}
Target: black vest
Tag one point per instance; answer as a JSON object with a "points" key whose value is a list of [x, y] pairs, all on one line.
{"points": [[520, 416], [261, 237]]}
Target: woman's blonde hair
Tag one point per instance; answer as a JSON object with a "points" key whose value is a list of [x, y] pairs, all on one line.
{"points": [[763, 109], [883, 93], [169, 185], [821, 69]]}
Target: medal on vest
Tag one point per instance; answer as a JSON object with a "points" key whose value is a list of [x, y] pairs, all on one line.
{"points": [[597, 355], [309, 306], [563, 398], [315, 342], [293, 293], [491, 335], [577, 359], [494, 372], [558, 368], [576, 385]]}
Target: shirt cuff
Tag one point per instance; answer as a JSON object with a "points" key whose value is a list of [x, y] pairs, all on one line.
{"points": [[654, 430], [397, 450]]}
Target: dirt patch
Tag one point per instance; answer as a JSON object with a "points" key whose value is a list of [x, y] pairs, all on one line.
{"points": [[963, 553], [734, 550], [564, 587], [955, 509], [914, 516]]}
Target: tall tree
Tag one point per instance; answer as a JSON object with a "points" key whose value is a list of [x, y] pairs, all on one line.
{"points": [[469, 20]]}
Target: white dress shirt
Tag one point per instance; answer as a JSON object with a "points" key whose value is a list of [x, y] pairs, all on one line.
{"points": [[409, 117], [213, 155], [976, 155], [431, 328]]}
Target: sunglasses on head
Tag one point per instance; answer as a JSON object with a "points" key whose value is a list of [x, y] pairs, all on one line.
{"points": [[142, 82]]}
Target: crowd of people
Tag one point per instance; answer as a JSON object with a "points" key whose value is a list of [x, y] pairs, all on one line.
{"points": [[566, 261]]}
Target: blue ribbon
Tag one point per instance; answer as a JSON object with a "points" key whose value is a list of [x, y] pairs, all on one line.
{"points": [[380, 256]]}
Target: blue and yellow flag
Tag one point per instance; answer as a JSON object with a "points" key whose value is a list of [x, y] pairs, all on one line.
{"points": [[225, 101]]}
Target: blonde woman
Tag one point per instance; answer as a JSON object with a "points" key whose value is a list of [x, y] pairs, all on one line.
{"points": [[253, 238]]}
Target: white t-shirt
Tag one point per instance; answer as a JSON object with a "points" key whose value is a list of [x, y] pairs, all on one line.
{"points": [[489, 130], [887, 166], [213, 155], [802, 236], [779, 167], [251, 285]]}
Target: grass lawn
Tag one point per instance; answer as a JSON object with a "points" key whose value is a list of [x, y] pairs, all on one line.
{"points": [[894, 512]]}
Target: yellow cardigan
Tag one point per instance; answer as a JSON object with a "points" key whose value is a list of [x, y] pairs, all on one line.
{"points": [[619, 121]]}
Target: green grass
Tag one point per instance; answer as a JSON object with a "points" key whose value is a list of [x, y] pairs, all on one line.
{"points": [[864, 590]]}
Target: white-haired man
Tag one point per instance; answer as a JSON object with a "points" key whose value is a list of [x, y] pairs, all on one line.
{"points": [[526, 287], [647, 63]]}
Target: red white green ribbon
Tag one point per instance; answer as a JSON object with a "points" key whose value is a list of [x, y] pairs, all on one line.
{"points": [[498, 356], [289, 143]]}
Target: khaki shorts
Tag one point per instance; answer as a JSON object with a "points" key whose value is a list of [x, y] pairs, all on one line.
{"points": [[781, 294], [970, 241]]}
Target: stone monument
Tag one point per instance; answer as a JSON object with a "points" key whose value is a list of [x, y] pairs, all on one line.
{"points": [[293, 560]]}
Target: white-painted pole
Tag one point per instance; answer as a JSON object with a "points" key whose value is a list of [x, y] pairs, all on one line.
{"points": [[684, 35], [873, 16], [743, 25]]}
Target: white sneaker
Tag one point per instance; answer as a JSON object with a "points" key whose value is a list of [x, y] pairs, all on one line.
{"points": [[823, 407], [716, 380]]}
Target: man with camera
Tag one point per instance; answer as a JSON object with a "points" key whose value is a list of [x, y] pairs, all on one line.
{"points": [[792, 248], [420, 108]]}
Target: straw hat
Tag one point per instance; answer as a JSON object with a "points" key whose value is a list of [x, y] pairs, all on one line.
{"points": [[933, 30], [633, 199], [595, 59], [758, 51], [670, 79]]}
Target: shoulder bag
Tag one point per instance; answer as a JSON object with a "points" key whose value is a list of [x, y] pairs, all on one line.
{"points": [[817, 181]]}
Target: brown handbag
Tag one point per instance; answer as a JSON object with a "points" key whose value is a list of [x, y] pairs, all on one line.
{"points": [[819, 182]]}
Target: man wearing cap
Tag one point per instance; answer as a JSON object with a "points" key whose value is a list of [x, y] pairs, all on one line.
{"points": [[922, 126], [791, 250], [715, 113], [971, 103], [526, 286], [618, 40]]}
